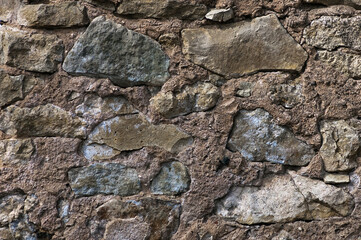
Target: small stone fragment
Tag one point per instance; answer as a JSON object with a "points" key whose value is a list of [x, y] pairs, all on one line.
{"points": [[173, 179], [340, 145], [127, 229], [336, 178], [11, 88], [104, 178], [287, 95], [220, 15], [127, 58], [15, 151], [67, 14], [233, 50], [245, 89], [346, 63], [96, 152]]}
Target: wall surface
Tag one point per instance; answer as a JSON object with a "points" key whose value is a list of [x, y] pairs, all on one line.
{"points": [[165, 119]]}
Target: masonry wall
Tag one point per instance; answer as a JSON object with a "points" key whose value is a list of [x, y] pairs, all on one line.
{"points": [[164, 119]]}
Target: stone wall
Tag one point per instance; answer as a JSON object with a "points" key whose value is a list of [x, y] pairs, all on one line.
{"points": [[180, 119]]}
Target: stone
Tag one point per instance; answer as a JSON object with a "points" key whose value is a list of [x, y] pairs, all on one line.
{"points": [[161, 9], [347, 63], [106, 4], [104, 178], [258, 138], [11, 208], [196, 98], [236, 49], [31, 52], [41, 121], [287, 95], [245, 89], [109, 50], [173, 179], [15, 151], [340, 143], [11, 88], [331, 32], [132, 132], [94, 152], [336, 178], [314, 169], [8, 9], [5, 234], [127, 229], [67, 14], [353, 3], [220, 15]]}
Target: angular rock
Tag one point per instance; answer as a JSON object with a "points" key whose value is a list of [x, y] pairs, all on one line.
{"points": [[106, 4], [330, 32], [8, 8], [245, 89], [339, 146], [336, 178], [314, 169], [287, 95], [161, 9], [199, 97], [41, 121], [67, 14], [353, 3], [257, 138], [173, 179], [11, 88], [35, 52], [15, 151], [109, 50], [96, 152], [104, 178], [244, 47], [220, 15], [346, 63], [11, 208], [127, 229]]}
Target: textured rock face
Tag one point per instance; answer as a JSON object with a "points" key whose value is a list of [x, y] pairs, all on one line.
{"points": [[11, 88], [36, 52], [104, 178], [130, 229], [287, 95], [172, 179], [249, 42], [109, 50], [353, 3], [336, 178], [161, 9], [8, 9], [330, 32], [257, 138], [346, 63], [68, 14], [339, 146], [44, 120], [200, 97], [220, 15], [15, 151]]}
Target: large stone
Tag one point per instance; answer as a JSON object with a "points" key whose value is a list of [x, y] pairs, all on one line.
{"points": [[258, 138], [67, 14], [109, 50], [173, 179], [8, 9], [330, 32], [41, 121], [199, 97], [15, 151], [32, 52], [244, 47], [285, 198], [353, 3], [346, 63], [161, 9], [11, 88], [127, 229], [104, 178], [339, 145]]}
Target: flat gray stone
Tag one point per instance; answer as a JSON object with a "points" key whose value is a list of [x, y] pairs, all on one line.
{"points": [[220, 15]]}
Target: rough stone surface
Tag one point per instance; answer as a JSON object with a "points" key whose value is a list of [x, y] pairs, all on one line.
{"points": [[249, 42], [15, 151], [8, 9], [336, 178], [32, 52], [245, 89], [161, 9], [339, 146], [11, 88], [109, 50], [44, 120], [67, 14], [199, 97], [104, 178], [353, 3], [330, 32], [258, 138], [173, 179], [287, 95], [127, 229], [220, 15]]}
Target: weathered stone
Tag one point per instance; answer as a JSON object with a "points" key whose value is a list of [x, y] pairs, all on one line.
{"points": [[106, 4], [346, 63], [15, 151], [11, 208], [5, 234], [339, 146], [8, 9], [336, 178], [257, 138], [220, 15], [244, 47], [287, 95], [173, 179], [104, 178], [127, 229], [161, 9], [96, 152], [353, 3], [199, 97], [11, 88], [67, 14], [109, 50], [245, 89], [314, 169], [41, 121], [330, 32], [131, 132]]}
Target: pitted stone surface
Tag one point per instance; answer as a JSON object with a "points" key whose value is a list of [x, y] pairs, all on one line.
{"points": [[127, 229], [15, 151], [11, 88], [353, 3], [109, 50], [346, 63]]}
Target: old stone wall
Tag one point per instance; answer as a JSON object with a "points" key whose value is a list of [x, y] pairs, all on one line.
{"points": [[180, 119]]}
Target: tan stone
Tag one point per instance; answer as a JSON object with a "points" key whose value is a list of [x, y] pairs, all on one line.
{"points": [[8, 9], [336, 178], [11, 88], [15, 151]]}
